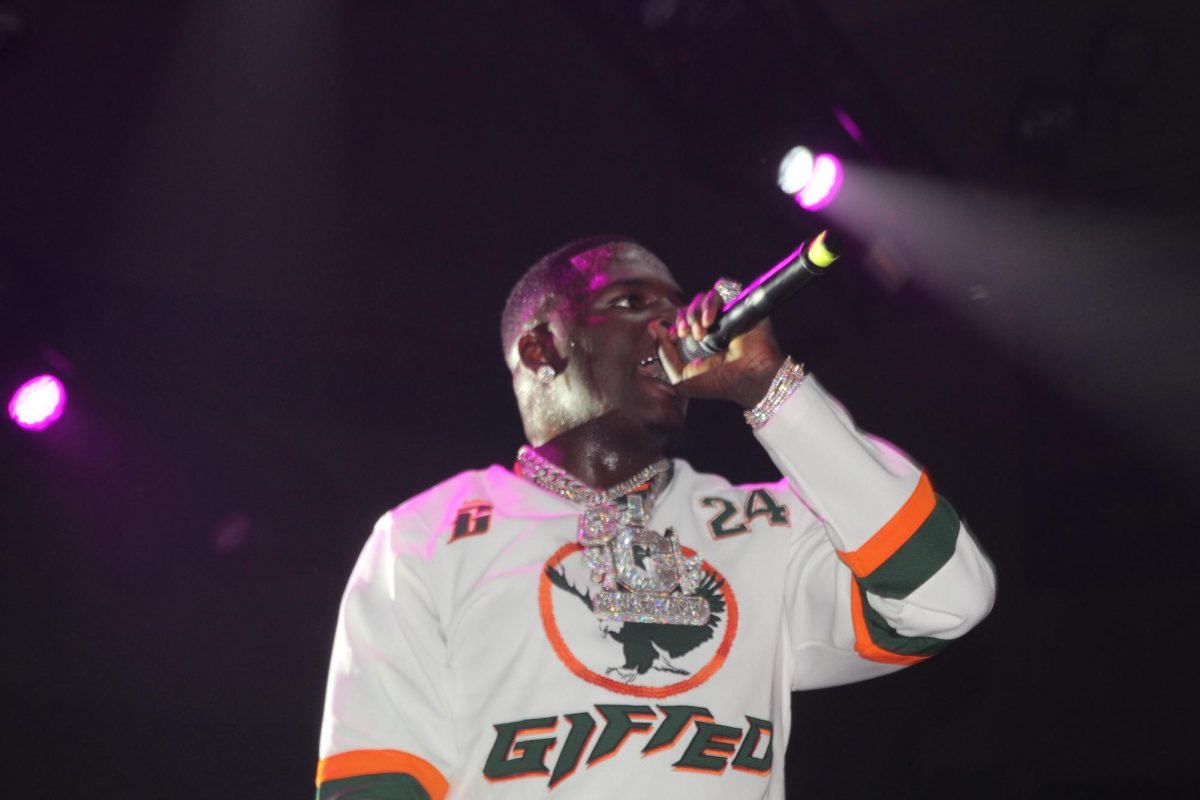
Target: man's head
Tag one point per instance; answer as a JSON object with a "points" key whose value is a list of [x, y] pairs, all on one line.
{"points": [[584, 312]]}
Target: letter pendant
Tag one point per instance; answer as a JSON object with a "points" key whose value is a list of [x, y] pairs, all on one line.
{"points": [[643, 575]]}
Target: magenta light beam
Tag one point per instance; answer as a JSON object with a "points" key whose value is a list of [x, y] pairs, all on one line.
{"points": [[38, 403]]}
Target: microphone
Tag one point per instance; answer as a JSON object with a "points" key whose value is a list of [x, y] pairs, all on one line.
{"points": [[764, 295]]}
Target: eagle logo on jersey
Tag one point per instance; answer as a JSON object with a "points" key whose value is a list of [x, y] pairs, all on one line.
{"points": [[647, 645], [634, 658]]}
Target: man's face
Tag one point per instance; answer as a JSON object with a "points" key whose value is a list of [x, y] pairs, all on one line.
{"points": [[611, 350]]}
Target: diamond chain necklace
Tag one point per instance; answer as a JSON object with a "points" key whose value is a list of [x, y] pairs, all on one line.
{"points": [[553, 478], [643, 576]]}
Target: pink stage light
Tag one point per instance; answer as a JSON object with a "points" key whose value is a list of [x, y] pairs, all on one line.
{"points": [[849, 125], [823, 186], [38, 403]]}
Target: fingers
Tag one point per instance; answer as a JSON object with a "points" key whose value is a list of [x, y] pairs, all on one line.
{"points": [[684, 319], [698, 316], [712, 305], [668, 355]]}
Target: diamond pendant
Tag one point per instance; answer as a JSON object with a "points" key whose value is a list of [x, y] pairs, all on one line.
{"points": [[643, 574]]}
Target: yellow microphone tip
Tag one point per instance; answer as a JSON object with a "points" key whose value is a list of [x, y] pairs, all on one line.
{"points": [[821, 252]]}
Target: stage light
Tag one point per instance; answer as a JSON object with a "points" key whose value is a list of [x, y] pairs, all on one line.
{"points": [[813, 181], [850, 126], [795, 169], [823, 186], [38, 403]]}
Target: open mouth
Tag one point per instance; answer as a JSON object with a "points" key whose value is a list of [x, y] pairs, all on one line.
{"points": [[652, 368]]}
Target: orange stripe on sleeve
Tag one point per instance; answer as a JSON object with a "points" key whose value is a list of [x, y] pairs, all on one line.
{"points": [[894, 533], [376, 762], [862, 638]]}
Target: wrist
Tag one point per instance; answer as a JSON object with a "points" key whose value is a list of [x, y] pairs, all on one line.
{"points": [[754, 387], [783, 385]]}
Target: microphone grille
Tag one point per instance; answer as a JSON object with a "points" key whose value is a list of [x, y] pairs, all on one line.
{"points": [[690, 350]]}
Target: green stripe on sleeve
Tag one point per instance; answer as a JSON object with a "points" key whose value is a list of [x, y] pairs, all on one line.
{"points": [[930, 547], [886, 637], [389, 786]]}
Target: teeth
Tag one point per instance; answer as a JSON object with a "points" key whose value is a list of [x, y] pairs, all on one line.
{"points": [[652, 368]]}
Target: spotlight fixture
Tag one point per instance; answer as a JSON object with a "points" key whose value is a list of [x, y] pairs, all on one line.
{"points": [[795, 169], [38, 403], [812, 181]]}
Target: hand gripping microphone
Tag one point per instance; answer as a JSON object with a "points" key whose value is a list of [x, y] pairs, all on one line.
{"points": [[764, 295]]}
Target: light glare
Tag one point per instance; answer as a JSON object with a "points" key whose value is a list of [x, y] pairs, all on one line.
{"points": [[38, 403], [824, 184], [795, 169]]}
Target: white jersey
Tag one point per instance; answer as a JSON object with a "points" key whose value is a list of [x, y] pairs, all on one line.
{"points": [[468, 661]]}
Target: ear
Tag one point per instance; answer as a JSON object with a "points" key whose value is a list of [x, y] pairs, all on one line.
{"points": [[536, 349]]}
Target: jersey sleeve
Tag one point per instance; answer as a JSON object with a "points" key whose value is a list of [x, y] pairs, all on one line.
{"points": [[886, 574], [386, 732]]}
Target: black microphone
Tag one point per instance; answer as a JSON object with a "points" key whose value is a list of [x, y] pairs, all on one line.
{"points": [[764, 295]]}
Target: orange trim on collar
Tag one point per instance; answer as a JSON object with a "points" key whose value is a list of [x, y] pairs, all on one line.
{"points": [[894, 533]]}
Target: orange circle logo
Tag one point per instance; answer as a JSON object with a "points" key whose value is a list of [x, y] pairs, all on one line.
{"points": [[641, 659]]}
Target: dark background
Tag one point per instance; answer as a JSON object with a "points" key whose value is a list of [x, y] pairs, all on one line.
{"points": [[266, 245]]}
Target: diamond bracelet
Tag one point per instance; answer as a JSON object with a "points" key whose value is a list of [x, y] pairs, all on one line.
{"points": [[784, 384]]}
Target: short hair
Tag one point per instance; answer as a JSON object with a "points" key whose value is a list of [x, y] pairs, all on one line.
{"points": [[544, 286]]}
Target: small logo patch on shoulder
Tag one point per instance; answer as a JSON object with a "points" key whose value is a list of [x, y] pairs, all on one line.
{"points": [[472, 518]]}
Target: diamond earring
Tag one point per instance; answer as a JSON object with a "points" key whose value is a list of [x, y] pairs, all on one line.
{"points": [[546, 373]]}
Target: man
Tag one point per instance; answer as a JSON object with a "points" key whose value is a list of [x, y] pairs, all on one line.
{"points": [[604, 622]]}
